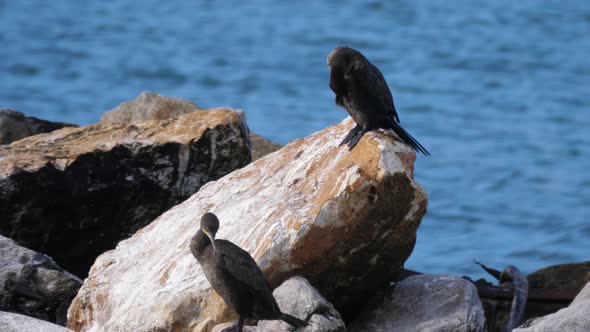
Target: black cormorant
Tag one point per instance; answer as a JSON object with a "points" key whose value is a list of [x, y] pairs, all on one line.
{"points": [[361, 89], [236, 277]]}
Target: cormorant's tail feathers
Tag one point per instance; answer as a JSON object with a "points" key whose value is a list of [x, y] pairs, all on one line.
{"points": [[293, 321], [408, 139]]}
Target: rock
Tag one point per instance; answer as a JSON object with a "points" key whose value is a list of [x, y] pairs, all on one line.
{"points": [[11, 322], [563, 276], [32, 284], [262, 146], [15, 125], [74, 193], [345, 220], [426, 303], [299, 298], [148, 106], [247, 328], [152, 106], [575, 318]]}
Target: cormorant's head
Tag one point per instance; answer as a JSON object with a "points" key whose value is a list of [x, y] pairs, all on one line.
{"points": [[209, 226], [343, 56], [508, 274]]}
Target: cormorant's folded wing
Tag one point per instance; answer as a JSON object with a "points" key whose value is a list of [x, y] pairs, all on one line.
{"points": [[371, 81], [238, 263]]}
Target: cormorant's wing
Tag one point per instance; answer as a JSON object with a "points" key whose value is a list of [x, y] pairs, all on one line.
{"points": [[371, 81], [238, 263]]}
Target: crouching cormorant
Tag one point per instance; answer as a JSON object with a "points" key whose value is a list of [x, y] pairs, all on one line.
{"points": [[236, 277], [361, 89]]}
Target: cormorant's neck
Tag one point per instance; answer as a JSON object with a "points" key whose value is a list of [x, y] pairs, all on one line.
{"points": [[198, 243]]}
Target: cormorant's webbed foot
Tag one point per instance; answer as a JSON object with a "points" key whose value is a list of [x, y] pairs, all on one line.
{"points": [[236, 328], [356, 139], [350, 134]]}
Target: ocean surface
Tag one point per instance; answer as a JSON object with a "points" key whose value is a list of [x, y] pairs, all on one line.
{"points": [[498, 91]]}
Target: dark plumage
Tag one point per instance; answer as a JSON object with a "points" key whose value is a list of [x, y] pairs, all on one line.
{"points": [[361, 89], [235, 276]]}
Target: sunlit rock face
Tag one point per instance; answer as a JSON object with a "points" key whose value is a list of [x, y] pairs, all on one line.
{"points": [[152, 106], [345, 220], [75, 192]]}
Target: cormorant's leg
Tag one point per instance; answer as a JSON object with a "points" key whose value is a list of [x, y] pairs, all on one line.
{"points": [[350, 134], [236, 328], [240, 324], [356, 138]]}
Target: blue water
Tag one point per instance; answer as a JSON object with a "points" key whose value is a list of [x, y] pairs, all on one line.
{"points": [[499, 92]]}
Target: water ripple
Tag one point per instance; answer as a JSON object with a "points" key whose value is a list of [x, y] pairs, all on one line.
{"points": [[500, 97]]}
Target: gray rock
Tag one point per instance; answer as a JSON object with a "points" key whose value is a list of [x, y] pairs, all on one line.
{"points": [[247, 328], [262, 146], [426, 303], [575, 318], [15, 125], [75, 193], [299, 298], [32, 284], [148, 106], [11, 322]]}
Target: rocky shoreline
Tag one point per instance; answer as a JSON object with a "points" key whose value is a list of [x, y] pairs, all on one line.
{"points": [[116, 203]]}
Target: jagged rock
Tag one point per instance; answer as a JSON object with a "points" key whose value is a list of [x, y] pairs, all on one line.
{"points": [[345, 220], [32, 284], [74, 193], [15, 125], [11, 322], [152, 106], [575, 318], [299, 298], [426, 303]]}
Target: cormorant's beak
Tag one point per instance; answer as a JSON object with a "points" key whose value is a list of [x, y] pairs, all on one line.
{"points": [[211, 238]]}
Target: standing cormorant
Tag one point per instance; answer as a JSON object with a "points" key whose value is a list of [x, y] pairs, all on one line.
{"points": [[361, 89], [236, 277]]}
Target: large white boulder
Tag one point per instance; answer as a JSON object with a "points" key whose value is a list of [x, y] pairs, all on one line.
{"points": [[345, 220]]}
